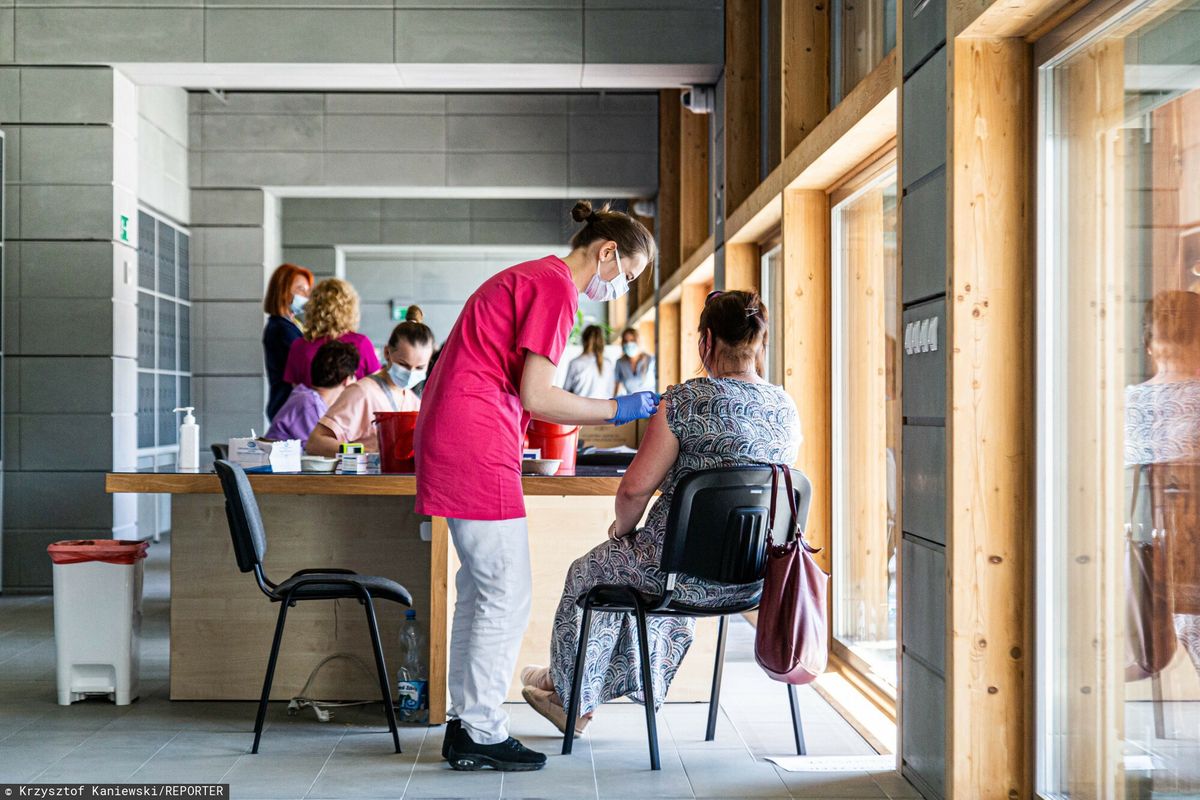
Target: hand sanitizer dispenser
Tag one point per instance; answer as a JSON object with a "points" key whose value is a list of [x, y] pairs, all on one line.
{"points": [[189, 440]]}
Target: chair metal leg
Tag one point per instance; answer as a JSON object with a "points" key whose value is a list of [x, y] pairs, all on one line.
{"points": [[714, 700], [270, 676], [797, 728], [585, 630], [648, 687], [381, 668]]}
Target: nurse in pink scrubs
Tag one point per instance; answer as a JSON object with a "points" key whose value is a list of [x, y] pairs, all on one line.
{"points": [[495, 372]]}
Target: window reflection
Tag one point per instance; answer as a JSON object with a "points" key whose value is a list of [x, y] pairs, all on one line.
{"points": [[1119, 453]]}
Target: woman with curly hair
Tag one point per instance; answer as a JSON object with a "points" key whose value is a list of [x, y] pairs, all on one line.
{"points": [[331, 315]]}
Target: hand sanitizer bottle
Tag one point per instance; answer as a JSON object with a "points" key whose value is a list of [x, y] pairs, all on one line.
{"points": [[189, 440]]}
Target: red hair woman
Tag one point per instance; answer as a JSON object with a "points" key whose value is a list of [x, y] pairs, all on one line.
{"points": [[287, 292]]}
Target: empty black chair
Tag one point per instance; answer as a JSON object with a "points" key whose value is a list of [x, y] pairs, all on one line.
{"points": [[250, 545], [716, 530], [220, 450]]}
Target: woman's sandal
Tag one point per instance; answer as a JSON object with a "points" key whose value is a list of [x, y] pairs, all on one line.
{"points": [[542, 701]]}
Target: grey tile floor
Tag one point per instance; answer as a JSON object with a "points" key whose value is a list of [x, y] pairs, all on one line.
{"points": [[155, 740]]}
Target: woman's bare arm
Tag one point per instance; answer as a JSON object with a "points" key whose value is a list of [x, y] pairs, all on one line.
{"points": [[547, 402], [321, 442]]}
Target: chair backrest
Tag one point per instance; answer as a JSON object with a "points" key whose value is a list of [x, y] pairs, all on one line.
{"points": [[245, 521], [220, 450], [717, 525]]}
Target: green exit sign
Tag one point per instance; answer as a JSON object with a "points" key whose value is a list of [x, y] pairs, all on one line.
{"points": [[398, 311], [124, 228]]}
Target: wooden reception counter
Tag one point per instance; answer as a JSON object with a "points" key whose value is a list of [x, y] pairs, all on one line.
{"points": [[221, 624]]}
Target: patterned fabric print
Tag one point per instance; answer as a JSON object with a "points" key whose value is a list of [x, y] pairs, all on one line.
{"points": [[718, 422], [1187, 628], [1162, 422]]}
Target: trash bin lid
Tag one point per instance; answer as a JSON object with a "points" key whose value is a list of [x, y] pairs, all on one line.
{"points": [[111, 551]]}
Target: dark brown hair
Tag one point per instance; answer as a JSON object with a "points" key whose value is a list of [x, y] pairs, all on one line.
{"points": [[334, 362], [739, 320], [414, 314], [415, 333], [279, 288], [605, 225], [593, 343]]}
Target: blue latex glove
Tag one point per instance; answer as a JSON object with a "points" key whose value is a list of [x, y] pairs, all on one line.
{"points": [[639, 405]]}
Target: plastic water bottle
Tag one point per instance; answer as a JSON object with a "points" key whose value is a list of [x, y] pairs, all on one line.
{"points": [[412, 679]]}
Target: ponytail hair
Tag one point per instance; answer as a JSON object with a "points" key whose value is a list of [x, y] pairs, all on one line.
{"points": [[604, 224], [593, 343]]}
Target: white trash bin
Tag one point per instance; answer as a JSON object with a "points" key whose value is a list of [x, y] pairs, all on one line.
{"points": [[98, 617]]}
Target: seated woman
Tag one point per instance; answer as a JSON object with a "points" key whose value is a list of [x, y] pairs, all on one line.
{"points": [[731, 417], [332, 371], [331, 314], [352, 417]]}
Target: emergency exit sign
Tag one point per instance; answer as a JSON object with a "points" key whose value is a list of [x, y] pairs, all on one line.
{"points": [[399, 309], [123, 227]]}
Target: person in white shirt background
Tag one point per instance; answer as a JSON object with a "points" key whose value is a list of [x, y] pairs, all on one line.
{"points": [[635, 367], [591, 374]]}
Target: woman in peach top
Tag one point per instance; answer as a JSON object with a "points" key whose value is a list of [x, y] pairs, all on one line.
{"points": [[352, 417]]}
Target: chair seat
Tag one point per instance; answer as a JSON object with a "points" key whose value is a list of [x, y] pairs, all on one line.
{"points": [[344, 584], [615, 597]]}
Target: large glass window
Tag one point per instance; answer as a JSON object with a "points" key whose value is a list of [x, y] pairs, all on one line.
{"points": [[771, 281], [1119, 408], [864, 31], [866, 423]]}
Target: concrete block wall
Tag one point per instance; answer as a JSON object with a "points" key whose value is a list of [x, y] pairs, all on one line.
{"points": [[163, 151], [70, 309], [572, 42], [547, 145]]}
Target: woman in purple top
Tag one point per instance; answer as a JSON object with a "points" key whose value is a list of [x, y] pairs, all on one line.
{"points": [[332, 371], [331, 315]]}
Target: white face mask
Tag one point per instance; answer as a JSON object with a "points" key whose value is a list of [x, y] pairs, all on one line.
{"points": [[603, 291], [631, 349], [403, 377], [298, 303]]}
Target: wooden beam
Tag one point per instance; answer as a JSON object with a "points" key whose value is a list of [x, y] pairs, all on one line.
{"points": [[693, 181], [669, 254], [646, 335], [991, 427], [741, 100], [668, 345], [698, 268], [806, 347], [743, 267], [804, 28], [691, 303]]}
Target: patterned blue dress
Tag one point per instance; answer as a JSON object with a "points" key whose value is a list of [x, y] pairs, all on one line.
{"points": [[718, 422]]}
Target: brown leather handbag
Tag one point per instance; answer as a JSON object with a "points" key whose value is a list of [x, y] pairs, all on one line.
{"points": [[792, 640], [1150, 639]]}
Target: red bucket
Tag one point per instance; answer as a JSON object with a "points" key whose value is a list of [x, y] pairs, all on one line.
{"points": [[395, 430], [555, 441]]}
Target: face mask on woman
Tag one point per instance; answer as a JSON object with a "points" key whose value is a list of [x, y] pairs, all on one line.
{"points": [[299, 301], [404, 377], [603, 291], [631, 349]]}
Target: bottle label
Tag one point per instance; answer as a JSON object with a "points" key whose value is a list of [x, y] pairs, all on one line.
{"points": [[414, 700]]}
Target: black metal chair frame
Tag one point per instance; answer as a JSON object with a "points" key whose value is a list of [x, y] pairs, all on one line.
{"points": [[621, 599], [287, 599]]}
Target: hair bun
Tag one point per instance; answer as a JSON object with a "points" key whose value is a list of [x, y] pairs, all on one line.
{"points": [[582, 211]]}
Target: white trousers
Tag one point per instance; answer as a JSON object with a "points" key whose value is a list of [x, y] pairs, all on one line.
{"points": [[491, 613]]}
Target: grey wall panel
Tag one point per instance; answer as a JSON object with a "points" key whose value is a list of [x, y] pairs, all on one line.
{"points": [[924, 587], [924, 30], [924, 482], [924, 222], [925, 119], [924, 349], [923, 715]]}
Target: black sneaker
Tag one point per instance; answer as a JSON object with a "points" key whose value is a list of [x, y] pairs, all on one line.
{"points": [[508, 756], [453, 726]]}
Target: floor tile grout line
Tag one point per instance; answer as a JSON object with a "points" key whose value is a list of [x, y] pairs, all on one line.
{"points": [[152, 755], [325, 763], [595, 776], [86, 739], [416, 760]]}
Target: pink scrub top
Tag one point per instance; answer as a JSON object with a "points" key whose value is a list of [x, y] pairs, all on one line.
{"points": [[298, 369], [472, 425]]}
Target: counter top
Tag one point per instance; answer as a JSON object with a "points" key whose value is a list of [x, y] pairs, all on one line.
{"points": [[594, 481]]}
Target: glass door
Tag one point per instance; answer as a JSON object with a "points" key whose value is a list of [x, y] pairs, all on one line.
{"points": [[866, 422]]}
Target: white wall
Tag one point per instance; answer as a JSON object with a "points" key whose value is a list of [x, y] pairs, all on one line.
{"points": [[163, 151]]}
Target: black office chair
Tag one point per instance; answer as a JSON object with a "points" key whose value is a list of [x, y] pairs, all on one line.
{"points": [[220, 451], [717, 530], [250, 545]]}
